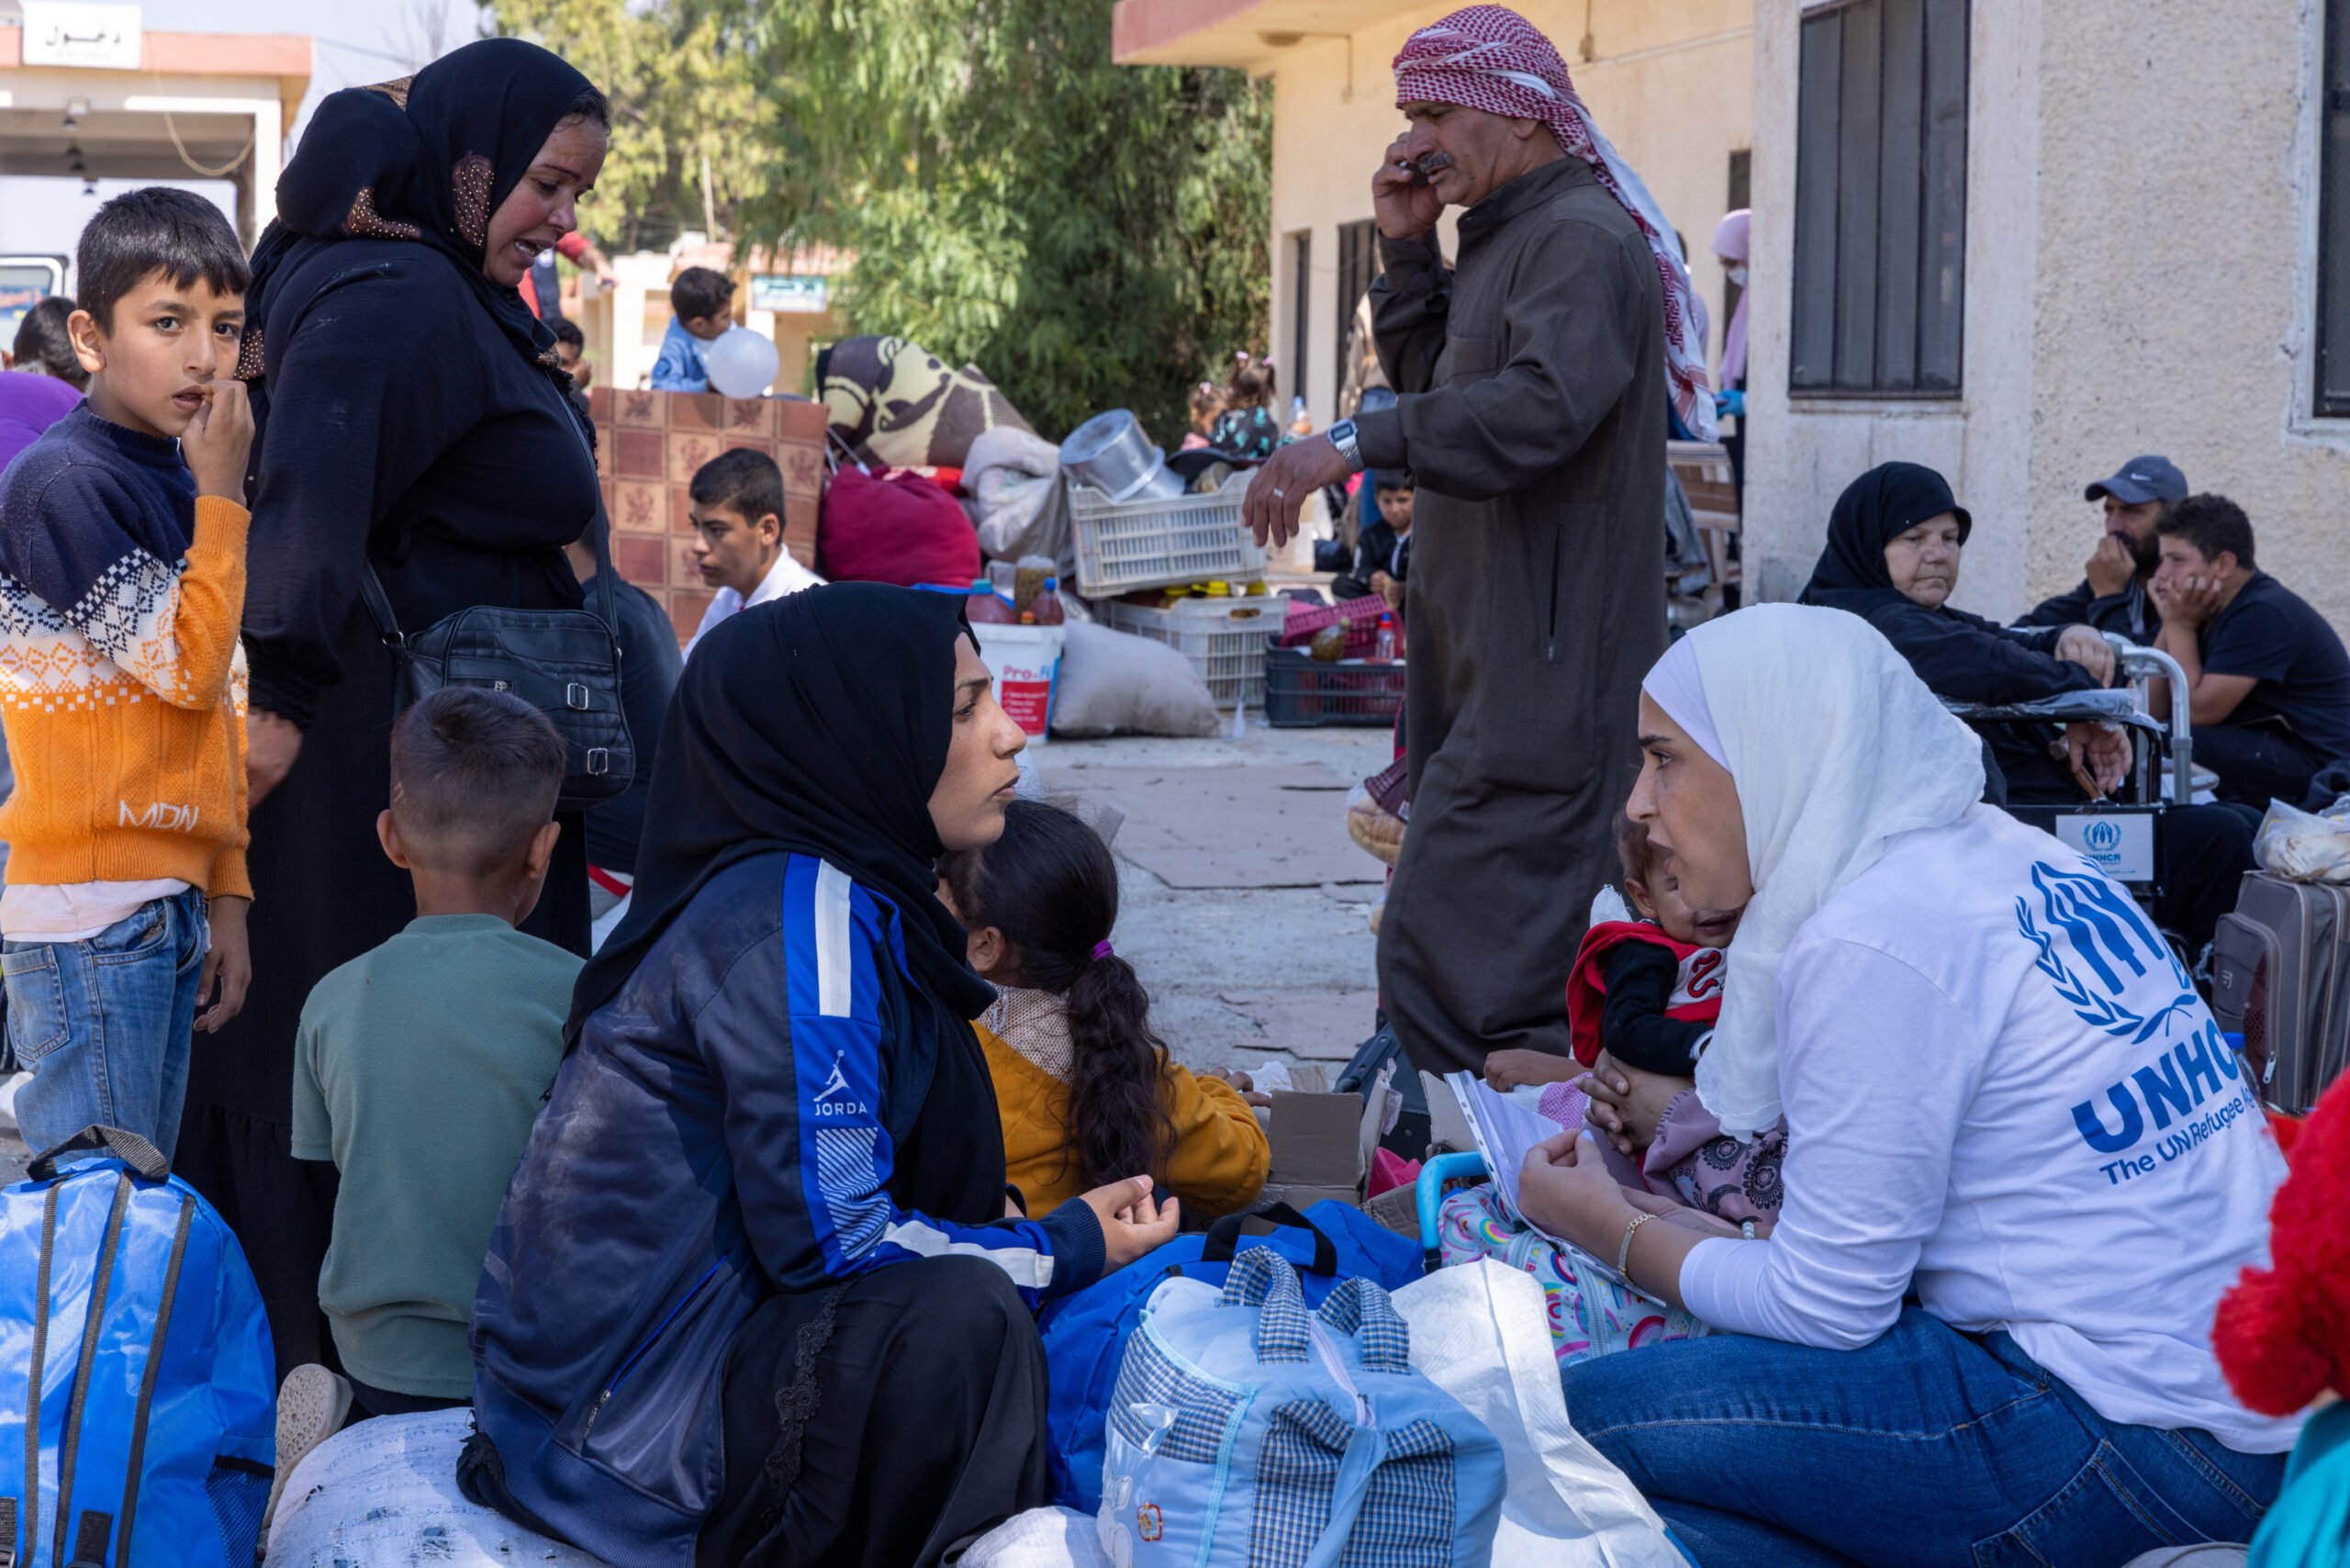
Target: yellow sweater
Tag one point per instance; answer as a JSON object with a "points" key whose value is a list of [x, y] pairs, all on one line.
{"points": [[130, 752], [1219, 1159]]}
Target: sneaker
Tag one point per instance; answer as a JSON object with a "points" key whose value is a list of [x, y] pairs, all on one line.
{"points": [[310, 1409]]}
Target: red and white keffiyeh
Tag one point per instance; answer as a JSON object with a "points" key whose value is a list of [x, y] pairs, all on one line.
{"points": [[1490, 58]]}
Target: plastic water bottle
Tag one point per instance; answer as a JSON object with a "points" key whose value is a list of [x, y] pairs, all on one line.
{"points": [[1383, 642]]}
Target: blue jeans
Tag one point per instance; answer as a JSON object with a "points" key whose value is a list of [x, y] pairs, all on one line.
{"points": [[105, 1025], [1929, 1447]]}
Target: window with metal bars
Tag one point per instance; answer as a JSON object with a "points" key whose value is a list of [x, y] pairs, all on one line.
{"points": [[1880, 253], [2334, 218]]}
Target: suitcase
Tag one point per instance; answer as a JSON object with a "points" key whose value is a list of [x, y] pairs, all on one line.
{"points": [[2280, 977]]}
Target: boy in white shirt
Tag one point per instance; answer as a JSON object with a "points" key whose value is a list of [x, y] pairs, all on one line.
{"points": [[737, 509]]}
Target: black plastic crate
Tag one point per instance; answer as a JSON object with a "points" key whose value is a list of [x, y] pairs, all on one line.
{"points": [[1301, 695]]}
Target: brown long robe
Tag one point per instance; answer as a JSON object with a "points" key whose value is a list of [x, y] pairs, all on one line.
{"points": [[1532, 414]]}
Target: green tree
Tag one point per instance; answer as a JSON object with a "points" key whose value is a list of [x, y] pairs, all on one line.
{"points": [[1089, 235], [683, 103]]}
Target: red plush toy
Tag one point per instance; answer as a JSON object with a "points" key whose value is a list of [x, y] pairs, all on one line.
{"points": [[2283, 1333]]}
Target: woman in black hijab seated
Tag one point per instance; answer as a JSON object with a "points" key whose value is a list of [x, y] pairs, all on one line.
{"points": [[1894, 543], [757, 1292]]}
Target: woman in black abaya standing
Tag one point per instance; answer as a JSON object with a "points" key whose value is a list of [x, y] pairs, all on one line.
{"points": [[411, 416]]}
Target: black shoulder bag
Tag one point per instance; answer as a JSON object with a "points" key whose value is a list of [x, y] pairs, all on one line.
{"points": [[565, 663]]}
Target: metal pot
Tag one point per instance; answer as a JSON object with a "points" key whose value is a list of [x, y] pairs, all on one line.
{"points": [[1111, 452]]}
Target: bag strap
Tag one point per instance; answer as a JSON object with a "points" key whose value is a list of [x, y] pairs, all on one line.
{"points": [[91, 1321], [1223, 1236], [154, 1365], [1366, 1447], [127, 1147], [90, 1540], [379, 603], [1263, 1279], [599, 528], [32, 1383], [1360, 1310]]}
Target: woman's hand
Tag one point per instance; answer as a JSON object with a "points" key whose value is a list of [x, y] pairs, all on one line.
{"points": [[1564, 1187], [1505, 1071], [1132, 1222], [1628, 1104], [2086, 647], [272, 745]]}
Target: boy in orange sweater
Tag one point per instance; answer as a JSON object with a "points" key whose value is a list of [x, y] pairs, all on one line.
{"points": [[122, 580]]}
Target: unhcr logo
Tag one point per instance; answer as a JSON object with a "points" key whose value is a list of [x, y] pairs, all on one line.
{"points": [[161, 816], [2102, 836]]}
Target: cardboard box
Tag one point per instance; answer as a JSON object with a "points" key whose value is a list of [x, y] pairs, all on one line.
{"points": [[648, 446], [1322, 1142]]}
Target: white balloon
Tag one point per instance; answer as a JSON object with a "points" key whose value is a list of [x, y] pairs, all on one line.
{"points": [[742, 362]]}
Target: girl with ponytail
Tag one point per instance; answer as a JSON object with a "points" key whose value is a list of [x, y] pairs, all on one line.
{"points": [[1082, 1084]]}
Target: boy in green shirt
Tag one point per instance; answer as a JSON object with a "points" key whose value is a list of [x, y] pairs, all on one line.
{"points": [[420, 1067]]}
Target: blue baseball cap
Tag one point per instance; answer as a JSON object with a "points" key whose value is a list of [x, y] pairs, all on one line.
{"points": [[2140, 480]]}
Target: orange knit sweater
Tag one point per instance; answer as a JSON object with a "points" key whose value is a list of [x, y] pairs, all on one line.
{"points": [[133, 767]]}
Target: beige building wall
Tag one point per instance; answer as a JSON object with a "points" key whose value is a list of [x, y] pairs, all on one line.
{"points": [[1670, 86], [2140, 278]]}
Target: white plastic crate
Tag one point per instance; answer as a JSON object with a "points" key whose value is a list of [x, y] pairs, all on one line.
{"points": [[1125, 545], [1223, 638]]}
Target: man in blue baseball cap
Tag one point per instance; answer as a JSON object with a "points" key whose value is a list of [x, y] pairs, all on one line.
{"points": [[2113, 596]]}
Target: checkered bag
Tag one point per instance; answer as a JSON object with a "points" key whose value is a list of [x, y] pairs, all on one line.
{"points": [[1246, 1432]]}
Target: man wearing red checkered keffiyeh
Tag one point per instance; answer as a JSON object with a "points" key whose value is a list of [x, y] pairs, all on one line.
{"points": [[1533, 381], [1491, 59]]}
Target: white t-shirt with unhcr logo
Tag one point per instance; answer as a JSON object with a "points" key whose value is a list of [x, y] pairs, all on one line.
{"points": [[2003, 1095]]}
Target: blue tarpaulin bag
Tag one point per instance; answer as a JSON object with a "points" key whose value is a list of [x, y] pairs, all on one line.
{"points": [[136, 1381], [1085, 1334], [1247, 1430]]}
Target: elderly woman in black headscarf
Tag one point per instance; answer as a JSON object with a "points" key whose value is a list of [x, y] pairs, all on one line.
{"points": [[412, 416], [757, 1292], [1894, 543]]}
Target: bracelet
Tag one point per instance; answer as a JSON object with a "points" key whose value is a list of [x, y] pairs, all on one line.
{"points": [[1624, 1252]]}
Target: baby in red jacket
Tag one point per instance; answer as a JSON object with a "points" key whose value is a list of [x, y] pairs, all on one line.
{"points": [[1642, 1003]]}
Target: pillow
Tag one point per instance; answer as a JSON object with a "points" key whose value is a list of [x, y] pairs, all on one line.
{"points": [[893, 527], [1113, 681]]}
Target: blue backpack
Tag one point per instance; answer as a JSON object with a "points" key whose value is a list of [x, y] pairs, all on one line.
{"points": [[1085, 1334], [144, 1380]]}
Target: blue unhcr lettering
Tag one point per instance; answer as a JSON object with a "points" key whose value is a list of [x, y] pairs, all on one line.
{"points": [[2092, 1125], [2105, 930]]}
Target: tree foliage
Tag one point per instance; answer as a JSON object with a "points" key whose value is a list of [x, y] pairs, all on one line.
{"points": [[682, 90], [1089, 235]]}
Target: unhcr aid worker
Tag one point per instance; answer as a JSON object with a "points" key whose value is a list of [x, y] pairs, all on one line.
{"points": [[2021, 1166]]}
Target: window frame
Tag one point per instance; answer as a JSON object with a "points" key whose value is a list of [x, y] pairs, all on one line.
{"points": [[1836, 300], [1300, 324], [2332, 206]]}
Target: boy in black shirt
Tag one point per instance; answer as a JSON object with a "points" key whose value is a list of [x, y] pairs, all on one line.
{"points": [[1383, 553], [2269, 677]]}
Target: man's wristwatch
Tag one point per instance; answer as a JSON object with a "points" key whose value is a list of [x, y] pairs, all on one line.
{"points": [[1342, 436]]}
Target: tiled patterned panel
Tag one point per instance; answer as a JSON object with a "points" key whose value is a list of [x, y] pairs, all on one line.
{"points": [[651, 443]]}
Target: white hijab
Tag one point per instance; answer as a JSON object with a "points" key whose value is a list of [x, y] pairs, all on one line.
{"points": [[1836, 746]]}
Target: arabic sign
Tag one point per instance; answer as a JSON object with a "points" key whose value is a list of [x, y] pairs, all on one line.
{"points": [[75, 32], [788, 294]]}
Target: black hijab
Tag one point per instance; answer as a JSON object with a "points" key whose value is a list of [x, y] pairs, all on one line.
{"points": [[425, 159], [1874, 509], [818, 723]]}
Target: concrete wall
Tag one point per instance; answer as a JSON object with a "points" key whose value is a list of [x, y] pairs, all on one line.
{"points": [[2142, 180], [2177, 244], [1670, 87]]}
